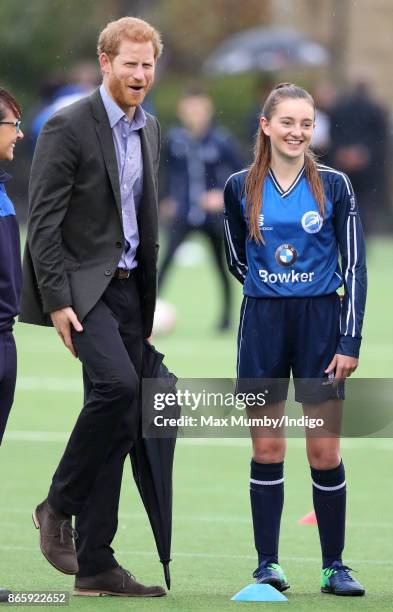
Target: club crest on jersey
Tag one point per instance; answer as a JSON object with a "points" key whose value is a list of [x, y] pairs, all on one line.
{"points": [[312, 222], [286, 255]]}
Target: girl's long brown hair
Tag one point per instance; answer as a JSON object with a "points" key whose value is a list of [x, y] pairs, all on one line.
{"points": [[262, 159]]}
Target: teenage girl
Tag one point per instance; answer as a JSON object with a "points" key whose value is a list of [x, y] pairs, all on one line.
{"points": [[287, 220]]}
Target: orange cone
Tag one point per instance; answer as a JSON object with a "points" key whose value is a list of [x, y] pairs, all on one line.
{"points": [[309, 519]]}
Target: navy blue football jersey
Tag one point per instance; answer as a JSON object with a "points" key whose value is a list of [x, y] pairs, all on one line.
{"points": [[300, 257]]}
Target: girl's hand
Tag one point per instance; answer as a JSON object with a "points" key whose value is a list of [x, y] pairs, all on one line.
{"points": [[342, 366]]}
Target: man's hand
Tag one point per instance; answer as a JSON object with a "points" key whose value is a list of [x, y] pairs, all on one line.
{"points": [[342, 366], [62, 320]]}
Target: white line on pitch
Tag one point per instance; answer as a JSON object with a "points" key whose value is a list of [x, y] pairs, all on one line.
{"points": [[62, 436], [36, 436], [35, 383], [127, 516]]}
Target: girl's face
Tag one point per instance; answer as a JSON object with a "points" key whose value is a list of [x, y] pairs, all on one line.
{"points": [[290, 128], [9, 135]]}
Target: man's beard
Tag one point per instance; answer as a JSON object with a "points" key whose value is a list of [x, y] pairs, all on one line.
{"points": [[120, 95]]}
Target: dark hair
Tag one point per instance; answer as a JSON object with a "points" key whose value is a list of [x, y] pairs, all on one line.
{"points": [[262, 158], [8, 102]]}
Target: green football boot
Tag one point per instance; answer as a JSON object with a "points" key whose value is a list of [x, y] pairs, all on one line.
{"points": [[337, 580], [271, 573]]}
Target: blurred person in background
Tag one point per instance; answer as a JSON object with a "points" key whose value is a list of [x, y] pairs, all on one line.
{"points": [[287, 218], [358, 134], [83, 78], [198, 156], [10, 264], [90, 268]]}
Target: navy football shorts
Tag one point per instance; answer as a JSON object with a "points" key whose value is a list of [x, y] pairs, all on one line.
{"points": [[278, 336]]}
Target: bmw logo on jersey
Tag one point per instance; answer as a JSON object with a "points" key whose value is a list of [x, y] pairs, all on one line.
{"points": [[312, 222], [286, 255]]}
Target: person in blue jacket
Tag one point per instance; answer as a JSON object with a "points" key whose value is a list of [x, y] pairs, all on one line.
{"points": [[198, 156], [10, 263], [287, 219]]}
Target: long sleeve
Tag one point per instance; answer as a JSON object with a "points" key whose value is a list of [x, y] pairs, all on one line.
{"points": [[235, 229], [351, 243], [51, 184]]}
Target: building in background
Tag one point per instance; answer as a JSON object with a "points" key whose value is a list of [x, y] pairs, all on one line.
{"points": [[359, 36], [358, 33]]}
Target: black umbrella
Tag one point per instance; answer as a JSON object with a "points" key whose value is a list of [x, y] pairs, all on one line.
{"points": [[264, 49], [152, 463]]}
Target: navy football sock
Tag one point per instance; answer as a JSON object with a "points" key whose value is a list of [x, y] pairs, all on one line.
{"points": [[329, 496], [267, 500]]}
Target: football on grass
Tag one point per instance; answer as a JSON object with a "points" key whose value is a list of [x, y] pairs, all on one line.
{"points": [[164, 318]]}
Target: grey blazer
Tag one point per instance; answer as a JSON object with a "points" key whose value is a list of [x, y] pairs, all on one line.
{"points": [[75, 236]]}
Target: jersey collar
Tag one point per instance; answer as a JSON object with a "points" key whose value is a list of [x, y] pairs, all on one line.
{"points": [[284, 193]]}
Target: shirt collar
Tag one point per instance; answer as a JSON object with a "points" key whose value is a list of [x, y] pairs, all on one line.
{"points": [[115, 113], [4, 176]]}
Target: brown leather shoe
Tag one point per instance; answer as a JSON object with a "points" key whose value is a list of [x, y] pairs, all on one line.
{"points": [[56, 538], [4, 594], [116, 581]]}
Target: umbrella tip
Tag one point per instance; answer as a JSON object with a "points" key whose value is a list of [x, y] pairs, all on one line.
{"points": [[167, 574]]}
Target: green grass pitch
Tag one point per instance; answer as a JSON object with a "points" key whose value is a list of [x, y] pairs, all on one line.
{"points": [[213, 552]]}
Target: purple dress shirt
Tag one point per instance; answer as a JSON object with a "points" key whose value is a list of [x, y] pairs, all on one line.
{"points": [[127, 143]]}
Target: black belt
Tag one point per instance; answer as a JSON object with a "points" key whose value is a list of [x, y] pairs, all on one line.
{"points": [[123, 273]]}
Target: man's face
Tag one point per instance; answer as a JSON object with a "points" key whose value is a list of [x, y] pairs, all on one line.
{"points": [[8, 136], [129, 76]]}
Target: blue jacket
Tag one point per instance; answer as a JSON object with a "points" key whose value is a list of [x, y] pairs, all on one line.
{"points": [[10, 259]]}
